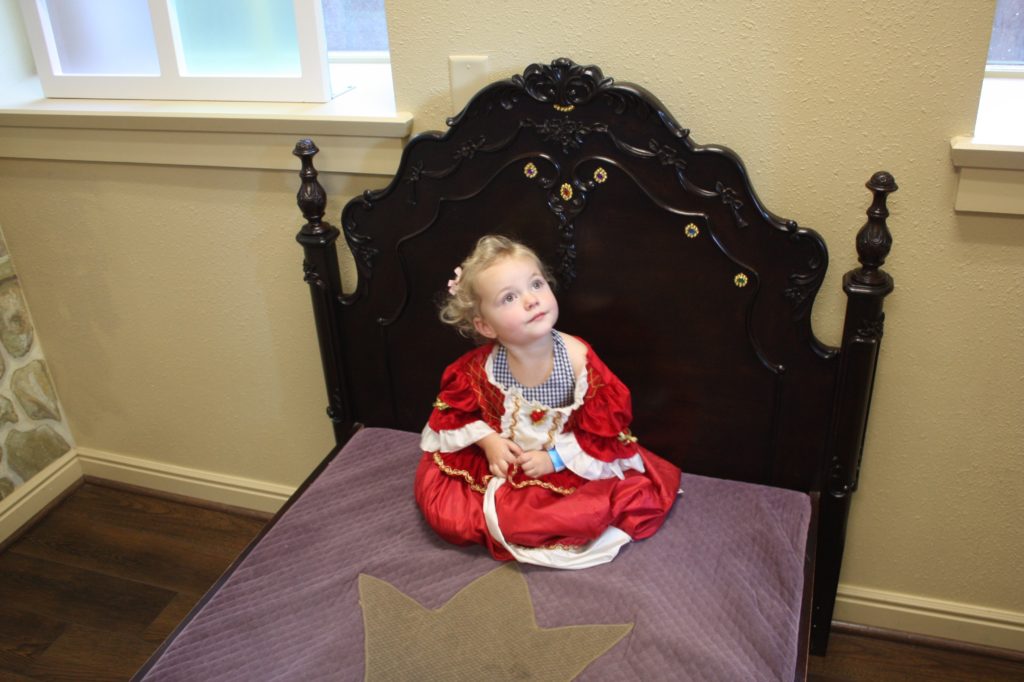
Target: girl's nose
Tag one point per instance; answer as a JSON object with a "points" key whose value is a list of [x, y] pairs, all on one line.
{"points": [[529, 300]]}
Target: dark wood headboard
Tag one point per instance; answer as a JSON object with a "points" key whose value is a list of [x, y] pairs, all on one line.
{"points": [[667, 262]]}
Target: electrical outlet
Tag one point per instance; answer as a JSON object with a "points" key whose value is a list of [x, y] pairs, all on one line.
{"points": [[468, 73]]}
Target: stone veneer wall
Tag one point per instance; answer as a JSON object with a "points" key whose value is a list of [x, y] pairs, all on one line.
{"points": [[33, 432]]}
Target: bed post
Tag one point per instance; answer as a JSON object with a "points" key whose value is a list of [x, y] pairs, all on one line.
{"points": [[866, 288], [320, 270]]}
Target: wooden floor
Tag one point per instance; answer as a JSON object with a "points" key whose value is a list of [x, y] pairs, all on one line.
{"points": [[855, 657], [94, 587], [91, 590]]}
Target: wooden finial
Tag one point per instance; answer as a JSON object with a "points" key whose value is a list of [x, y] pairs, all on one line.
{"points": [[312, 199], [874, 240]]}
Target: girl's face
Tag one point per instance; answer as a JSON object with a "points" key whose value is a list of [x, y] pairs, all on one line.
{"points": [[517, 306]]}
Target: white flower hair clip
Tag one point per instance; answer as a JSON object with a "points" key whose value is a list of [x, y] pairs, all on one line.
{"points": [[453, 284]]}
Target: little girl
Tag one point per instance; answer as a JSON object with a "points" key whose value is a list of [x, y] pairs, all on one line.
{"points": [[528, 449]]}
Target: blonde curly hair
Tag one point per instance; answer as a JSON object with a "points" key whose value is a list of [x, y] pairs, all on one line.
{"points": [[462, 304]]}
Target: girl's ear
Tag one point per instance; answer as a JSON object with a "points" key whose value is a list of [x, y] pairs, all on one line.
{"points": [[482, 328]]}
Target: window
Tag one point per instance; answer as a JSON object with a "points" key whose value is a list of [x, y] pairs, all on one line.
{"points": [[991, 162], [355, 29], [357, 47], [270, 50], [1001, 108], [1006, 51]]}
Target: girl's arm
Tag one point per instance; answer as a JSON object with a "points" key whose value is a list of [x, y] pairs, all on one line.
{"points": [[457, 420]]}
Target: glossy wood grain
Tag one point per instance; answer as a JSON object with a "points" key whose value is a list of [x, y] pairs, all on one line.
{"points": [[852, 658], [94, 587]]}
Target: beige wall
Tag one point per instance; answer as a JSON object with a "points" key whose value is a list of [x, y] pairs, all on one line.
{"points": [[177, 324], [174, 304]]}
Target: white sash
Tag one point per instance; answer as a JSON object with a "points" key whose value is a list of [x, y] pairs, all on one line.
{"points": [[599, 551]]}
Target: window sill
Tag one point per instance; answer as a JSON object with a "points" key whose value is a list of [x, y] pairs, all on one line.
{"points": [[991, 176], [219, 134], [991, 164], [1001, 109]]}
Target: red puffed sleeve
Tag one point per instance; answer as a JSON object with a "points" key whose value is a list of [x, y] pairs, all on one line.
{"points": [[463, 408], [596, 442]]}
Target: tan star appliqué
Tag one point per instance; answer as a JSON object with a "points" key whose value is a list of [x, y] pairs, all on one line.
{"points": [[487, 631]]}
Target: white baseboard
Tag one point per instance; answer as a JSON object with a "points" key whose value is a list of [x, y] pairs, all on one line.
{"points": [[932, 617], [235, 491], [30, 498], [27, 500]]}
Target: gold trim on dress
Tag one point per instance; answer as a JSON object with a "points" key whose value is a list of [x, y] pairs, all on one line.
{"points": [[593, 383], [477, 487], [556, 422], [627, 437], [440, 404], [478, 375], [534, 482], [515, 418], [458, 473]]}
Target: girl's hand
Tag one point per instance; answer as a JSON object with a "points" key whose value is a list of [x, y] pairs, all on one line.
{"points": [[535, 463], [500, 453]]}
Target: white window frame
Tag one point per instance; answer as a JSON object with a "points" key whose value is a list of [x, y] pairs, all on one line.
{"points": [[312, 85], [1004, 71], [359, 57], [990, 163], [1001, 106]]}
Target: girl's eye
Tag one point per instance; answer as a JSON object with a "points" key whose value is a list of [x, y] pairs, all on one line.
{"points": [[508, 298], [538, 284]]}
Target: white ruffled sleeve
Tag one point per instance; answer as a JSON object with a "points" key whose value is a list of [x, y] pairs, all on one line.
{"points": [[591, 468], [453, 440]]}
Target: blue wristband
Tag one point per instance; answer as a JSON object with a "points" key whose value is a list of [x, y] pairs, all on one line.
{"points": [[556, 460]]}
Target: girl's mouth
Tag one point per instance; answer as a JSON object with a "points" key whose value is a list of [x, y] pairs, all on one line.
{"points": [[537, 317]]}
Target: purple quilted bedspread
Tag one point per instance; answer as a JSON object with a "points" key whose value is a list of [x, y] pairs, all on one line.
{"points": [[715, 594]]}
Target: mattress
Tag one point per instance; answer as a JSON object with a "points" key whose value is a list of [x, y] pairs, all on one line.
{"points": [[714, 595]]}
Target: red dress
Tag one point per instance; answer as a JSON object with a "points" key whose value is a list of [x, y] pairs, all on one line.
{"points": [[611, 491]]}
